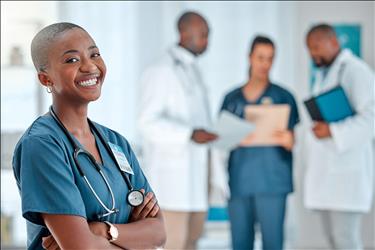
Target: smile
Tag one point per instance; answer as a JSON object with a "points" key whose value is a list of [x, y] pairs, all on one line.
{"points": [[89, 82]]}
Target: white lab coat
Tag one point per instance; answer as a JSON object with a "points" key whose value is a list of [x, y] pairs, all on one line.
{"points": [[173, 102], [339, 173]]}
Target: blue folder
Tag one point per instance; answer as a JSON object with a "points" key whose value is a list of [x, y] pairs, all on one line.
{"points": [[330, 106]]}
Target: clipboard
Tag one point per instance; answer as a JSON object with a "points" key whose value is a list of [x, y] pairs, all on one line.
{"points": [[267, 119]]}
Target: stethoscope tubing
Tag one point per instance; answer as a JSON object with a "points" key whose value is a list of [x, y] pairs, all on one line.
{"points": [[78, 150]]}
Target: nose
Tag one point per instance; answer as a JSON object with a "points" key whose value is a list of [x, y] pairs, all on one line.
{"points": [[88, 65]]}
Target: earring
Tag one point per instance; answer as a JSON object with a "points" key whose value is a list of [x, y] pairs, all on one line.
{"points": [[49, 88]]}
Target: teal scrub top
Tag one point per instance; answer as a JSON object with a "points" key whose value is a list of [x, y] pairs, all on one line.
{"points": [[261, 169], [49, 182]]}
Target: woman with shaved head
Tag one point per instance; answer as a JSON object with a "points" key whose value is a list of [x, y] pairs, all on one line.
{"points": [[80, 183]]}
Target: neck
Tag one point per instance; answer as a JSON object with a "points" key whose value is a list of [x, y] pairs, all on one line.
{"points": [[334, 56], [257, 82], [187, 48], [74, 118]]}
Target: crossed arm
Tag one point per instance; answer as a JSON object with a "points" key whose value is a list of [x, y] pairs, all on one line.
{"points": [[144, 230]]}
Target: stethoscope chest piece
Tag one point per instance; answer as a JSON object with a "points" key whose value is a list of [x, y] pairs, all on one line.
{"points": [[135, 198]]}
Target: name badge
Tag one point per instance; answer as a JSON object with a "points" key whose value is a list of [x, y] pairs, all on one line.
{"points": [[121, 158], [266, 100]]}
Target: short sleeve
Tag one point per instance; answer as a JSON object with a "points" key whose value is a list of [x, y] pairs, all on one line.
{"points": [[224, 105], [234, 103], [294, 116], [227, 105], [46, 180]]}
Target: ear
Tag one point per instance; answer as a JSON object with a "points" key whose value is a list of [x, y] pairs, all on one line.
{"points": [[183, 37], [336, 42], [185, 34], [44, 79]]}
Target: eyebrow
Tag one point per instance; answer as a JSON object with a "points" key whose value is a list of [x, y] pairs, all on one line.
{"points": [[76, 51], [92, 47]]}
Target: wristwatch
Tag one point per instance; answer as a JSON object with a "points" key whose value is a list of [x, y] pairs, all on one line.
{"points": [[113, 231]]}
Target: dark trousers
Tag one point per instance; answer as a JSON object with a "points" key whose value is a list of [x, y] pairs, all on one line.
{"points": [[266, 209]]}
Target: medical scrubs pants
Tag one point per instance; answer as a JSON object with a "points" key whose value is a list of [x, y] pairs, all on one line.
{"points": [[266, 209]]}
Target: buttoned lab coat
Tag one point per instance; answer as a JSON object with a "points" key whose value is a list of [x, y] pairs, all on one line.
{"points": [[339, 173], [173, 102]]}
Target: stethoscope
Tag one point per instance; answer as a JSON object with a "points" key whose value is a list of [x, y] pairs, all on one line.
{"points": [[134, 197]]}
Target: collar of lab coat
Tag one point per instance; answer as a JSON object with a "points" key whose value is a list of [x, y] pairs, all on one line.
{"points": [[182, 54], [334, 70], [344, 54], [341, 57], [330, 80]]}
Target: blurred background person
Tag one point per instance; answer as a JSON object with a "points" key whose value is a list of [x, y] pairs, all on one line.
{"points": [[173, 117], [260, 177], [339, 177]]}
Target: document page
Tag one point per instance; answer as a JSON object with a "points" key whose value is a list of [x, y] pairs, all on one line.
{"points": [[231, 130]]}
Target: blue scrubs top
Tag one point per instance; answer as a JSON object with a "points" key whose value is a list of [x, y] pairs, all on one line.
{"points": [[49, 181], [263, 169]]}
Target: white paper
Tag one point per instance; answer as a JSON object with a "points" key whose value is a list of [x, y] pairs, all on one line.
{"points": [[231, 130]]}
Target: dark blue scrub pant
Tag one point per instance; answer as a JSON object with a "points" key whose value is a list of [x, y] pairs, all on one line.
{"points": [[266, 209]]}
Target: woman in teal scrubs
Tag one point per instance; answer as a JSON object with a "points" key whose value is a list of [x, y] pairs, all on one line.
{"points": [[260, 177], [58, 203]]}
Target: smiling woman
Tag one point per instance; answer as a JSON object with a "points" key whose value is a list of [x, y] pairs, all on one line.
{"points": [[66, 195], [69, 65]]}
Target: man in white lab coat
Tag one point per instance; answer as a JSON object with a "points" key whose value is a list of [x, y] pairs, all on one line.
{"points": [[173, 121], [339, 177]]}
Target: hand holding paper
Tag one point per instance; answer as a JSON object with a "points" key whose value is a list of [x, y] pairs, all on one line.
{"points": [[201, 136], [284, 138]]}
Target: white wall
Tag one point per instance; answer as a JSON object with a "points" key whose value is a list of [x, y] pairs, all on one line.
{"points": [[21, 96], [20, 88], [20, 20]]}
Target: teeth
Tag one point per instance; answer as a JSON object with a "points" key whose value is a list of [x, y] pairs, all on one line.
{"points": [[90, 82]]}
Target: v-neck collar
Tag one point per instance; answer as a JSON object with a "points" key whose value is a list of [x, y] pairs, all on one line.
{"points": [[98, 143], [257, 101]]}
